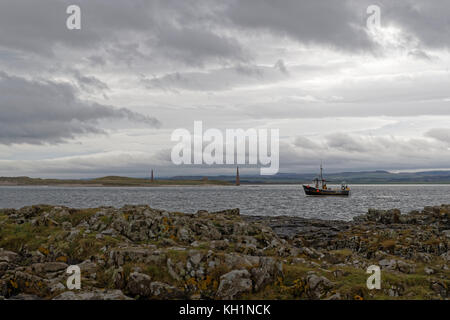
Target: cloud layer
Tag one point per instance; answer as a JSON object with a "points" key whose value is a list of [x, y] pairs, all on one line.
{"points": [[39, 112], [362, 99]]}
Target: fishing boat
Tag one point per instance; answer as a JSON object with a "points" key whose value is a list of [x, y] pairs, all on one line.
{"points": [[320, 188]]}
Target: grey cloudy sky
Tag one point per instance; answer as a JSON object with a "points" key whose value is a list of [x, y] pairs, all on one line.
{"points": [[105, 99]]}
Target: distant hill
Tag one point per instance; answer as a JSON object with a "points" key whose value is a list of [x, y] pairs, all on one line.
{"points": [[107, 181], [363, 177]]}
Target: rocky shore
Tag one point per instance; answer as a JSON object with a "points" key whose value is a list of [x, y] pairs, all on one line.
{"points": [[137, 252]]}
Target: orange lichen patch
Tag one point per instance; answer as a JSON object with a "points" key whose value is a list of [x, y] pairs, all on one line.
{"points": [[299, 287], [192, 283], [44, 251], [14, 284], [206, 283], [62, 259], [357, 297], [388, 244]]}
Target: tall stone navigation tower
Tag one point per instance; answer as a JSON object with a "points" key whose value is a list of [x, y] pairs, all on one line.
{"points": [[151, 177], [238, 182]]}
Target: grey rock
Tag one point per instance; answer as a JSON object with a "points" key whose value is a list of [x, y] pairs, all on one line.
{"points": [[66, 225], [338, 273], [109, 232], [139, 284], [88, 268], [93, 295], [399, 265], [171, 269], [73, 234], [234, 261], [387, 264], [164, 291], [195, 257], [428, 271], [439, 288], [3, 267], [234, 283], [395, 291], [298, 261], [49, 267], [8, 256], [230, 212], [267, 272], [56, 286], [23, 296], [185, 235], [319, 286], [336, 296], [405, 267]]}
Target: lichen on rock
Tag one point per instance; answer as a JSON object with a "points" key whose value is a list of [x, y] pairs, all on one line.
{"points": [[137, 252]]}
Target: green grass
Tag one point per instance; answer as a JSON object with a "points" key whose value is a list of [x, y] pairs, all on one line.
{"points": [[17, 236], [79, 215]]}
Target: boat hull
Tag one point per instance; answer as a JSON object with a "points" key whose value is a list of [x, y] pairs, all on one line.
{"points": [[312, 191]]}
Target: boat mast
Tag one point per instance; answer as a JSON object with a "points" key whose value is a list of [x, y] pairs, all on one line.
{"points": [[321, 172]]}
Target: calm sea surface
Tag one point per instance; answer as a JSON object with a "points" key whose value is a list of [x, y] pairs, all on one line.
{"points": [[270, 200]]}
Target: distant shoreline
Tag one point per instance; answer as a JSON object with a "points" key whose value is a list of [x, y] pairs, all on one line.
{"points": [[110, 181], [117, 181], [112, 186], [162, 185]]}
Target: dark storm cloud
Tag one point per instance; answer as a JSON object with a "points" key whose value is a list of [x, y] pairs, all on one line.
{"points": [[215, 80], [364, 152], [89, 83], [306, 143], [420, 54], [429, 21], [37, 27], [320, 22], [342, 24], [96, 61], [295, 109], [171, 29], [194, 46], [346, 142], [196, 31], [230, 62], [440, 134], [49, 112], [357, 143], [281, 66]]}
